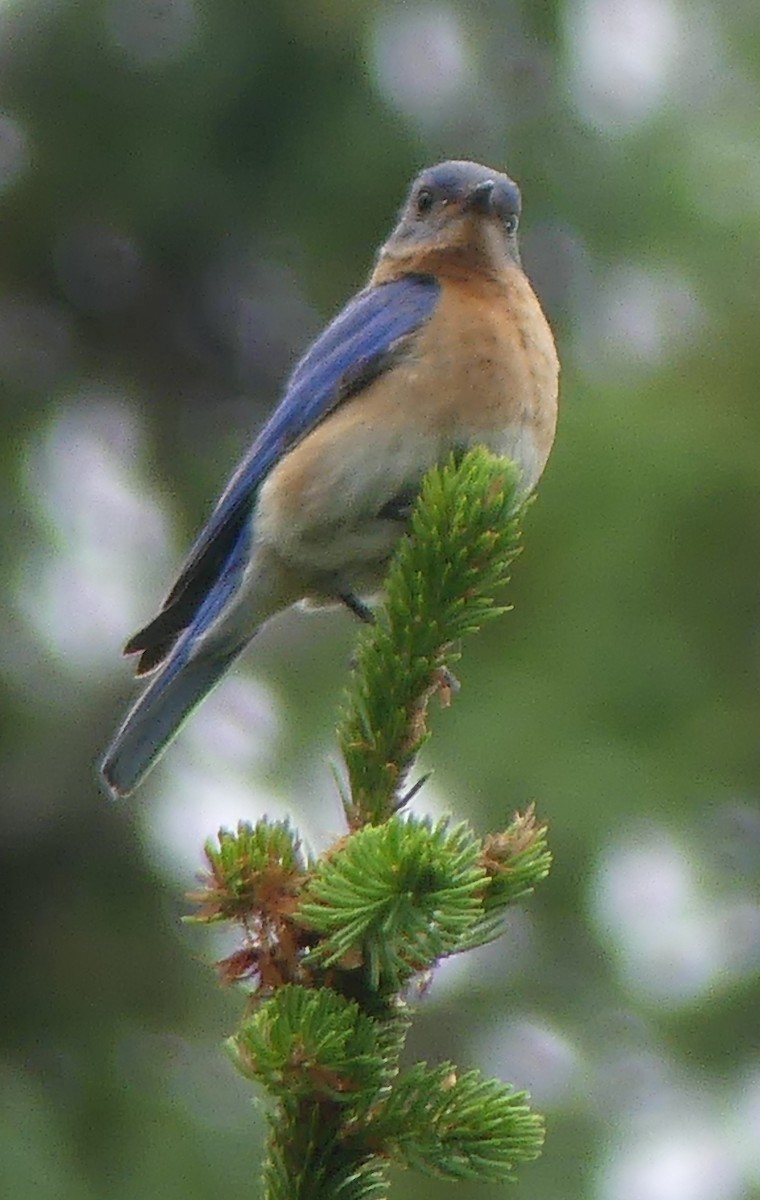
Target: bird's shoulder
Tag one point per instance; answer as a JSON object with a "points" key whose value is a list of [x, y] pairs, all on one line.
{"points": [[356, 348]]}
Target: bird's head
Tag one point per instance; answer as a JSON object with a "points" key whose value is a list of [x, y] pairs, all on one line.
{"points": [[459, 207]]}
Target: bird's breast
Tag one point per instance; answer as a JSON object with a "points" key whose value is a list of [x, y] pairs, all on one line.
{"points": [[485, 368], [482, 370]]}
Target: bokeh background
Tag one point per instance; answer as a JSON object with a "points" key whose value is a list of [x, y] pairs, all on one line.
{"points": [[188, 190]]}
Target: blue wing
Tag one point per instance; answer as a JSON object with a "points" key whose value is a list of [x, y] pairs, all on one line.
{"points": [[353, 350]]}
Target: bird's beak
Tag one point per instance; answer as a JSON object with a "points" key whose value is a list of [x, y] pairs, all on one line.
{"points": [[480, 199]]}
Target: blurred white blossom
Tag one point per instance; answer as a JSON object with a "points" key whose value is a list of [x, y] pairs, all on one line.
{"points": [[622, 56], [674, 939], [420, 58], [102, 539]]}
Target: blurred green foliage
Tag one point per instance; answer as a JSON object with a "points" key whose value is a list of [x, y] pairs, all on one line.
{"points": [[187, 191]]}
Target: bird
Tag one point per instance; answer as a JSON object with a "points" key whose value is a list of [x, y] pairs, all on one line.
{"points": [[446, 347]]}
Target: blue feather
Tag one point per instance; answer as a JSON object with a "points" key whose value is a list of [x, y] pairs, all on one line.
{"points": [[360, 336], [187, 676], [188, 636]]}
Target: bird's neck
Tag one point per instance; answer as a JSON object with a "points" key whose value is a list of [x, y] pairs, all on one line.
{"points": [[456, 261]]}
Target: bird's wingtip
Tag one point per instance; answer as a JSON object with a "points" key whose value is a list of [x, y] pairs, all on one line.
{"points": [[108, 777]]}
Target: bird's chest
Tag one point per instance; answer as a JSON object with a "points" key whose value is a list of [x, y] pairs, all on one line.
{"points": [[487, 359], [483, 370]]}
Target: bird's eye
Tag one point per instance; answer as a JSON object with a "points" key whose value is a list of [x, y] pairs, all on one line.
{"points": [[424, 201], [511, 222]]}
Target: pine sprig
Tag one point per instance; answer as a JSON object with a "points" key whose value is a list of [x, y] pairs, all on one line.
{"points": [[515, 860], [249, 870], [441, 587], [394, 898], [312, 1042], [330, 947], [255, 877], [307, 1158], [458, 1126]]}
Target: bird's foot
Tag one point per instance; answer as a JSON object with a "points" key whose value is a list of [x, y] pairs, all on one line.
{"points": [[357, 607], [446, 685]]}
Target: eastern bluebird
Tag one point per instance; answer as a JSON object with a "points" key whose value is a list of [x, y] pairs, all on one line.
{"points": [[445, 347]]}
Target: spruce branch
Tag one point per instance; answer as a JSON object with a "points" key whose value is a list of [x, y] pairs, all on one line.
{"points": [[311, 1041], [515, 860], [395, 898], [441, 586], [247, 869], [458, 1126], [330, 947]]}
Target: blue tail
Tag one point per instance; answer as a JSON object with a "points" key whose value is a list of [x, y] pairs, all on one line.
{"points": [[161, 710]]}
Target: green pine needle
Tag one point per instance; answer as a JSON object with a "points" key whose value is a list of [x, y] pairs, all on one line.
{"points": [[246, 868], [311, 1042], [395, 898], [458, 1126], [441, 586], [307, 1157], [515, 861], [329, 946]]}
